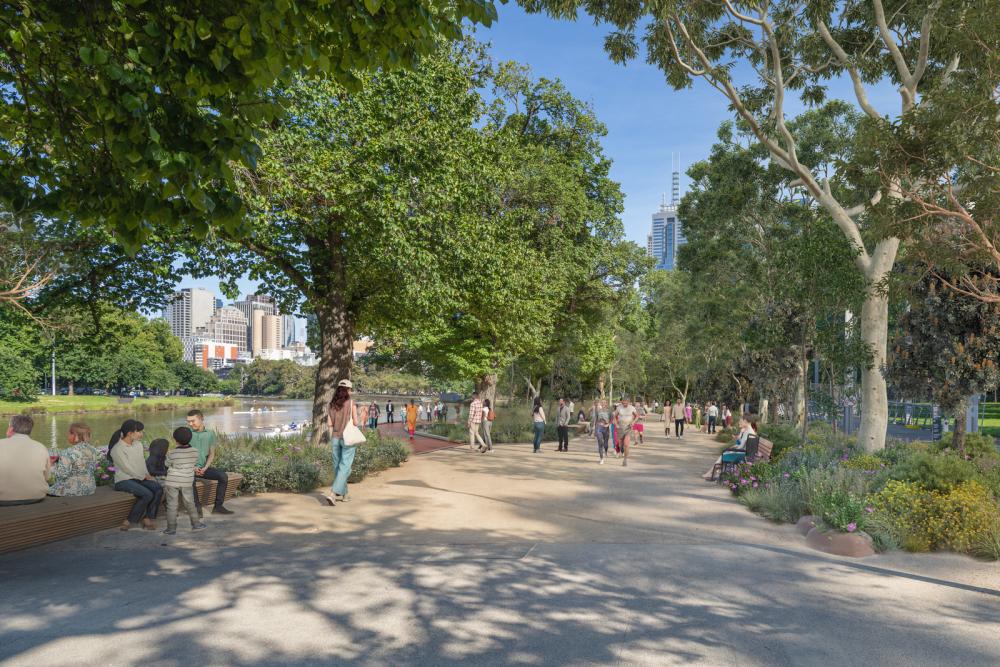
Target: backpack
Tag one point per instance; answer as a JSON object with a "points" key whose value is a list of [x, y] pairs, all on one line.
{"points": [[490, 416]]}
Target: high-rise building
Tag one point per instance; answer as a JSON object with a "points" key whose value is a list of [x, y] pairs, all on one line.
{"points": [[189, 309], [228, 326], [666, 237], [255, 303], [667, 234], [266, 332], [288, 331]]}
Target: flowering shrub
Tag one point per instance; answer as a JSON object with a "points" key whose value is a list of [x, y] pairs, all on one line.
{"points": [[926, 519], [867, 462]]}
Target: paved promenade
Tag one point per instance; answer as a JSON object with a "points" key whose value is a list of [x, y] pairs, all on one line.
{"points": [[510, 558]]}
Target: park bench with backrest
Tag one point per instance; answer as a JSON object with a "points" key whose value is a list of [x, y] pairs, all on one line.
{"points": [[24, 526], [757, 449]]}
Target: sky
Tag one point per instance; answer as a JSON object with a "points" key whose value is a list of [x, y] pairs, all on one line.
{"points": [[648, 122]]}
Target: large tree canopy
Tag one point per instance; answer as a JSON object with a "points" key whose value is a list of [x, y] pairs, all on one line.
{"points": [[129, 113]]}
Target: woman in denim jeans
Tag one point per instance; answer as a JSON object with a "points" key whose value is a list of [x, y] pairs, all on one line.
{"points": [[538, 423], [341, 412], [602, 428], [131, 475]]}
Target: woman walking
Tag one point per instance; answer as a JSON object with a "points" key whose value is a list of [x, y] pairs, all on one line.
{"points": [[411, 418], [373, 415], [340, 413], [538, 423], [488, 416], [602, 429]]}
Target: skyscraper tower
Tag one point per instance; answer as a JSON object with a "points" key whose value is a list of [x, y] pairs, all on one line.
{"points": [[667, 233]]}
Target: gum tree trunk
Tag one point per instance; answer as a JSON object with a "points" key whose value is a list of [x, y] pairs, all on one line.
{"points": [[336, 358], [487, 387], [958, 435], [874, 334]]}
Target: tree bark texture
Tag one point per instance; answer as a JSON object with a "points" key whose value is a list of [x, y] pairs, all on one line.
{"points": [[336, 358], [958, 435], [487, 387], [874, 399]]}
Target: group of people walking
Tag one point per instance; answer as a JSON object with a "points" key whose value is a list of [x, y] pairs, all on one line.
{"points": [[29, 472], [706, 417]]}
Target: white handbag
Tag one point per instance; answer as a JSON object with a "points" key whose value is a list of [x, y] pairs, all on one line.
{"points": [[353, 434]]}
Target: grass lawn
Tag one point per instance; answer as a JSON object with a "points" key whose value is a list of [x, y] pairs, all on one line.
{"points": [[56, 404]]}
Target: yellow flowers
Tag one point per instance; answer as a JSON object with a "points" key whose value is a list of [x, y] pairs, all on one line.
{"points": [[926, 520]]}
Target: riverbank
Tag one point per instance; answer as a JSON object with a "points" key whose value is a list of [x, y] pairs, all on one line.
{"points": [[55, 405]]}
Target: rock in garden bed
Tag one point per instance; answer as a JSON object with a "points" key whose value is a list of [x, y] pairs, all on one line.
{"points": [[852, 545]]}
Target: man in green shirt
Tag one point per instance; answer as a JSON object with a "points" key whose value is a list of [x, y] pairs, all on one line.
{"points": [[204, 441]]}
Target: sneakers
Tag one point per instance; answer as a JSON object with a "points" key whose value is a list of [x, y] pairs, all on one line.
{"points": [[220, 510], [341, 498], [601, 462], [199, 526], [171, 531], [330, 500], [625, 463]]}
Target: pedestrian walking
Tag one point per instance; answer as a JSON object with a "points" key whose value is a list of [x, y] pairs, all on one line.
{"points": [[713, 416], [639, 427], [602, 429], [373, 415], [488, 416], [411, 418], [687, 413], [538, 423], [390, 412], [475, 422], [624, 418], [727, 416], [340, 414], [420, 412], [677, 412], [562, 425]]}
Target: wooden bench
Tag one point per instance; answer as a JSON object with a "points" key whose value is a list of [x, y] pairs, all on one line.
{"points": [[53, 519], [764, 450]]}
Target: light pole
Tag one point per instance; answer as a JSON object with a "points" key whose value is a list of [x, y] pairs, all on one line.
{"points": [[53, 364]]}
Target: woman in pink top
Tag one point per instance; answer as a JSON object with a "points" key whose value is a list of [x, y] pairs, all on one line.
{"points": [[340, 413]]}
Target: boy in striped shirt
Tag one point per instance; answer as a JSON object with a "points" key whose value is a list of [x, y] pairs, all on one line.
{"points": [[181, 462]]}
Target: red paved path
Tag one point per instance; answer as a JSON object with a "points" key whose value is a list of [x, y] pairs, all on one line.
{"points": [[419, 444]]}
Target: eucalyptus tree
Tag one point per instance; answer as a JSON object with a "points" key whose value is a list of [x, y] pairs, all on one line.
{"points": [[757, 54], [357, 201], [130, 114], [548, 256]]}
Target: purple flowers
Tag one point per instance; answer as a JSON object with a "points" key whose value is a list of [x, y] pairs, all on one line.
{"points": [[851, 527], [786, 475], [112, 469], [869, 509], [105, 476], [755, 485]]}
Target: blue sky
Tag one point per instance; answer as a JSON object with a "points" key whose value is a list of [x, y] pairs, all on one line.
{"points": [[647, 120]]}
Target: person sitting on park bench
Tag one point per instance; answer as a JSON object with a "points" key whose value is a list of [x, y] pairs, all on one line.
{"points": [[74, 467], [24, 465], [747, 428], [204, 441], [131, 476], [156, 462]]}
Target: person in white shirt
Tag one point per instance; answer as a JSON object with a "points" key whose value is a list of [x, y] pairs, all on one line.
{"points": [[24, 464], [713, 416], [624, 417]]}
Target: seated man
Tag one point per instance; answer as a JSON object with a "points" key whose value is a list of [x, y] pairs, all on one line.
{"points": [[203, 440], [24, 465]]}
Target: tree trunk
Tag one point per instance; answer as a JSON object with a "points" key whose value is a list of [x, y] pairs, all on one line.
{"points": [[533, 393], [600, 385], [336, 332], [763, 410], [487, 387], [958, 435], [72, 388], [874, 334], [801, 396]]}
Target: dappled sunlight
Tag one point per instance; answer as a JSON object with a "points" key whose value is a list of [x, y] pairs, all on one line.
{"points": [[447, 560]]}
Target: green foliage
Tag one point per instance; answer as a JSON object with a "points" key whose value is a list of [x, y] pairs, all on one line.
{"points": [[783, 503], [284, 377], [133, 114], [783, 436], [194, 379], [864, 462], [976, 444], [935, 472], [986, 545], [292, 464], [18, 379]]}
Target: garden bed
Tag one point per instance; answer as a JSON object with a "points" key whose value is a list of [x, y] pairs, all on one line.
{"points": [[293, 464], [912, 495]]}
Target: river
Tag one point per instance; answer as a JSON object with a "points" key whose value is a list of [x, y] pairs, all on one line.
{"points": [[268, 414]]}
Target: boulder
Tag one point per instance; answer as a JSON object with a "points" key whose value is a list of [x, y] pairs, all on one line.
{"points": [[852, 545], [807, 523]]}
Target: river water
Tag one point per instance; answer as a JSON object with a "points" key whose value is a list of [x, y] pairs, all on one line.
{"points": [[268, 414]]}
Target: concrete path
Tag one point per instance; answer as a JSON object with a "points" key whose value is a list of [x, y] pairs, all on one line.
{"points": [[509, 558]]}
